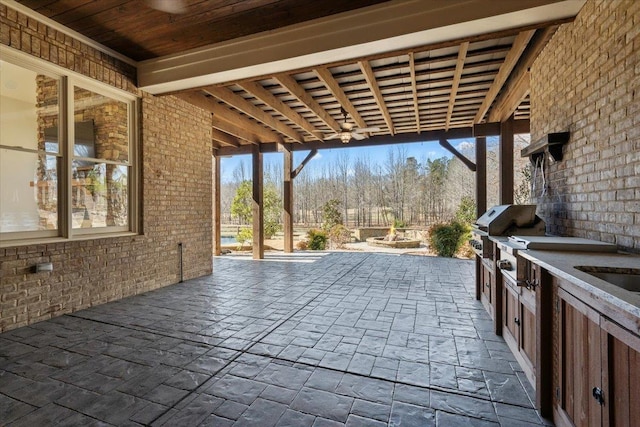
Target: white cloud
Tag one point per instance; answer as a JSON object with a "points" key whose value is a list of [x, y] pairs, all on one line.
{"points": [[465, 145]]}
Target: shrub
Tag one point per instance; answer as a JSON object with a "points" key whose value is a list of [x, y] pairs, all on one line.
{"points": [[317, 240], [339, 235], [243, 236], [466, 212], [446, 239], [398, 223], [330, 214], [302, 245]]}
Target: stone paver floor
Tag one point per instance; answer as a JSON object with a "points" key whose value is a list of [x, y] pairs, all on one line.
{"points": [[310, 339]]}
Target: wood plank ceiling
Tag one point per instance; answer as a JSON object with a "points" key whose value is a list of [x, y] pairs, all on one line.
{"points": [[443, 87]]}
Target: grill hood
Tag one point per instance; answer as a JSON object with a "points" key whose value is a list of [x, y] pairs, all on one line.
{"points": [[503, 220]]}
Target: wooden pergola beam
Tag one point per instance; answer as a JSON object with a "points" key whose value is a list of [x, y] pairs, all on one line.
{"points": [[519, 45], [257, 203], [298, 91], [224, 138], [518, 85], [272, 101], [493, 129], [287, 199], [370, 77], [330, 82], [226, 114], [234, 131], [400, 138], [505, 162], [228, 96], [414, 89], [462, 54], [217, 211]]}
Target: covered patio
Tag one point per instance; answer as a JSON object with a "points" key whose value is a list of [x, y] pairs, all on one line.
{"points": [[304, 339]]}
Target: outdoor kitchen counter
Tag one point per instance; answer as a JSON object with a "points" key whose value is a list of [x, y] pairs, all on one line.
{"points": [[619, 304]]}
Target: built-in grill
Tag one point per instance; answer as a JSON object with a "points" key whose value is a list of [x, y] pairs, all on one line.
{"points": [[505, 220]]}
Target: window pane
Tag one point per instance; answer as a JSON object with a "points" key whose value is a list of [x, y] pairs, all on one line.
{"points": [[101, 127], [28, 109], [28, 191], [99, 195]]}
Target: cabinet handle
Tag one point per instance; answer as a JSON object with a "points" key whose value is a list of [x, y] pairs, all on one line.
{"points": [[516, 321], [598, 394]]}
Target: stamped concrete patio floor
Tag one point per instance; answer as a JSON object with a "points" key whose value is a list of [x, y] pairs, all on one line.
{"points": [[308, 339]]}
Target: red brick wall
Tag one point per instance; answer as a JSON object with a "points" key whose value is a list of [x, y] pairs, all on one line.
{"points": [[176, 199], [586, 81]]}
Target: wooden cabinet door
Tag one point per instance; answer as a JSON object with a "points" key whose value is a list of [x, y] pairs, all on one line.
{"points": [[580, 364], [621, 382], [510, 316], [527, 337]]}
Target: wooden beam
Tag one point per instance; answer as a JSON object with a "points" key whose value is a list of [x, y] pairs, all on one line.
{"points": [[493, 129], [272, 101], [462, 54], [257, 204], [481, 176], [298, 91], [517, 86], [445, 144], [224, 138], [227, 95], [330, 82], [221, 112], [505, 162], [377, 94], [306, 160], [509, 99], [414, 89], [237, 131], [400, 138], [287, 199], [519, 44], [217, 212]]}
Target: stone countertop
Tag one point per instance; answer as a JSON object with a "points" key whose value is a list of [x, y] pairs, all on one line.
{"points": [[561, 264]]}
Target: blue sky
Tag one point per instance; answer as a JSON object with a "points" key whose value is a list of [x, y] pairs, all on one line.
{"points": [[377, 154]]}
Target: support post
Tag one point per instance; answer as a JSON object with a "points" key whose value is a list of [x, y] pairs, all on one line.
{"points": [[258, 205], [506, 162], [481, 176], [287, 191], [217, 249]]}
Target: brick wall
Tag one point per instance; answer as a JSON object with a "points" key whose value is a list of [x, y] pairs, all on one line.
{"points": [[176, 195], [586, 81]]}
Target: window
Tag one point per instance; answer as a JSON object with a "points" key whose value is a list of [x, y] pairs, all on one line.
{"points": [[67, 154]]}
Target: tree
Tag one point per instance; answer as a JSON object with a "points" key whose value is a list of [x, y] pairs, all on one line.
{"points": [[331, 214], [241, 207]]}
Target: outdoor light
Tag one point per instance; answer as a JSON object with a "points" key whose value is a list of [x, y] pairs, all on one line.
{"points": [[345, 137]]}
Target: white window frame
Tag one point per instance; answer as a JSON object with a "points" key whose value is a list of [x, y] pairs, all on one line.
{"points": [[68, 80]]}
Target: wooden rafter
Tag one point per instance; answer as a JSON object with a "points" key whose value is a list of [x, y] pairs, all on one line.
{"points": [[272, 101], [517, 86], [306, 160], [519, 44], [377, 94], [446, 145], [462, 54], [224, 138], [234, 131], [261, 134], [334, 87], [298, 91], [228, 96], [414, 90]]}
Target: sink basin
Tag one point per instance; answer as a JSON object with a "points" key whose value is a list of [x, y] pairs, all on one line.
{"points": [[625, 278]]}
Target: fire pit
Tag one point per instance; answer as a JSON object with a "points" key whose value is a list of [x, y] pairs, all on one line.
{"points": [[392, 240]]}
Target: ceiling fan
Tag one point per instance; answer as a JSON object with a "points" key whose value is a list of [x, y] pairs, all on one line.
{"points": [[349, 130]]}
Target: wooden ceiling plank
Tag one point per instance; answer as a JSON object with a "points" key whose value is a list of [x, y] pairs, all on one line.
{"points": [[516, 88], [301, 94], [220, 111], [224, 138], [519, 45], [228, 96], [264, 95], [414, 89], [365, 66], [334, 87], [462, 55]]}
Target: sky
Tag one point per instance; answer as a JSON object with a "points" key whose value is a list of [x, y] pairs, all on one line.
{"points": [[377, 154]]}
